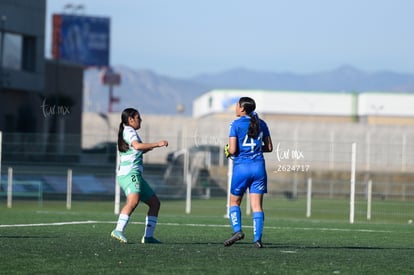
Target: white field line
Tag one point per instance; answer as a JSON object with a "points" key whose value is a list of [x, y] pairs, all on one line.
{"points": [[193, 225]]}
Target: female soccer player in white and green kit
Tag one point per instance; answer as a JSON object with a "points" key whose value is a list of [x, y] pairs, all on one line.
{"points": [[129, 176]]}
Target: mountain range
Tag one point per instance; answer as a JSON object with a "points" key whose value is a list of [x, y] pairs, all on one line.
{"points": [[152, 93]]}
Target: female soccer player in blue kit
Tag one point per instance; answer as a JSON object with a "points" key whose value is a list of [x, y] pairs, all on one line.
{"points": [[249, 137], [129, 176]]}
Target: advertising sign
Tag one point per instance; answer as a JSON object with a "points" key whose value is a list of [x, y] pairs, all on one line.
{"points": [[83, 40], [110, 78]]}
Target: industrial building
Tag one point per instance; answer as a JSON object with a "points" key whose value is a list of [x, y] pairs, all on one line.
{"points": [[366, 107], [37, 104], [22, 65]]}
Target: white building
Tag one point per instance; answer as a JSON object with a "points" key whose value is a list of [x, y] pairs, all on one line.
{"points": [[371, 107]]}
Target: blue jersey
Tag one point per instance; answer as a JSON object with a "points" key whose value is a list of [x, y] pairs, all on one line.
{"points": [[249, 171], [248, 148]]}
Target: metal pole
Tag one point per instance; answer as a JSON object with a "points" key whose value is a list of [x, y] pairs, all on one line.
{"points": [[187, 173], [69, 190], [229, 176], [248, 207], [187, 178], [368, 151], [309, 198], [369, 199], [1, 145], [352, 192], [117, 188], [9, 187]]}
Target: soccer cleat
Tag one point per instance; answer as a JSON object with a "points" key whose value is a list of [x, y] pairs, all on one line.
{"points": [[149, 240], [119, 236], [236, 237], [258, 244]]}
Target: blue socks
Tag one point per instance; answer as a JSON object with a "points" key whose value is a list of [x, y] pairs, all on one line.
{"points": [[258, 221], [235, 218], [150, 224]]}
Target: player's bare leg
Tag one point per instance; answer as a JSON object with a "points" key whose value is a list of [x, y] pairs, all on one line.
{"points": [[131, 204]]}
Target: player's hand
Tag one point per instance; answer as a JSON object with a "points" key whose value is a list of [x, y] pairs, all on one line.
{"points": [[163, 143], [226, 151]]}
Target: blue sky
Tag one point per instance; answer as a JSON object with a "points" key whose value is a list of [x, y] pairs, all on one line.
{"points": [[183, 38]]}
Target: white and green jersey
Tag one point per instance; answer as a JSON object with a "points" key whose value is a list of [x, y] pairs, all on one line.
{"points": [[130, 160]]}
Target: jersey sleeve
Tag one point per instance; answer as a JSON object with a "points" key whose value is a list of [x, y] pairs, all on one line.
{"points": [[130, 135], [233, 129], [264, 129]]}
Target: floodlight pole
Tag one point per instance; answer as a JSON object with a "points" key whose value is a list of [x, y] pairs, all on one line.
{"points": [[110, 78]]}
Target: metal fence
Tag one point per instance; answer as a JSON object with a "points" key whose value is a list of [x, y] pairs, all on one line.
{"points": [[302, 151]]}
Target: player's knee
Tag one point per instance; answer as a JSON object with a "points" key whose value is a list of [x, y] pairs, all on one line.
{"points": [[133, 204], [154, 203], [157, 204]]}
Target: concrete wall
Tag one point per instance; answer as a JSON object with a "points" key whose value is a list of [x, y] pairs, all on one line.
{"points": [[325, 145]]}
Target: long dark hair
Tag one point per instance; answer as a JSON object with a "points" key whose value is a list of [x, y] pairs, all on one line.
{"points": [[126, 114], [249, 106]]}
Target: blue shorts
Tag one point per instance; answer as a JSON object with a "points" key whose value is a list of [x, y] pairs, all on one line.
{"points": [[250, 175]]}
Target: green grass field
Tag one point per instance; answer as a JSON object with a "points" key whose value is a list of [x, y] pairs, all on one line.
{"points": [[53, 240]]}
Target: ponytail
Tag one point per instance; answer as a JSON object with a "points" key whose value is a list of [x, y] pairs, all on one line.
{"points": [[122, 145], [249, 106], [126, 114], [254, 129]]}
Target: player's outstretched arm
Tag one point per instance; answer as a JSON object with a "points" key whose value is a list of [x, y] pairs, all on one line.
{"points": [[149, 146]]}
